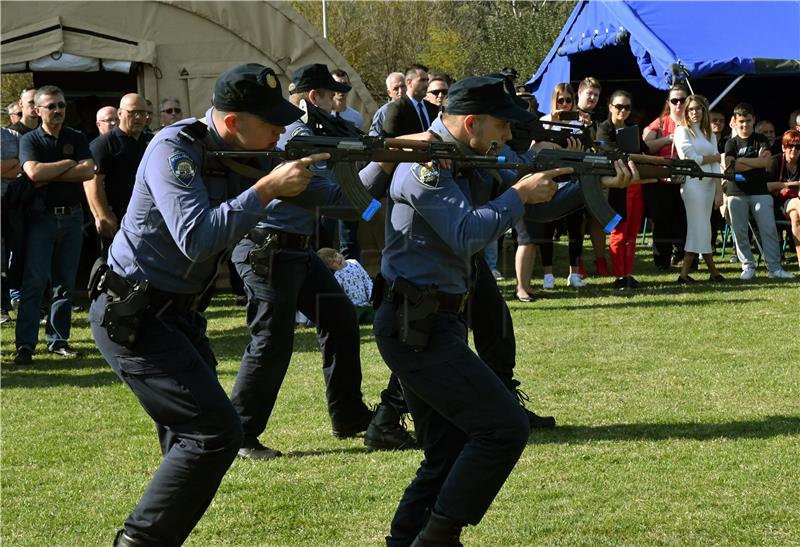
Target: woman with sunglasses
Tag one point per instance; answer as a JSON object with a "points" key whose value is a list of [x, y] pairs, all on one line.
{"points": [[628, 202], [695, 141], [663, 202], [785, 172], [563, 100]]}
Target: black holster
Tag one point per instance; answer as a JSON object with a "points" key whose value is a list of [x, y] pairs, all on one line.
{"points": [[415, 311], [129, 303], [262, 257]]}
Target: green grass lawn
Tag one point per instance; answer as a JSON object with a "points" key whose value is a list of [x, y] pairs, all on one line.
{"points": [[678, 413]]}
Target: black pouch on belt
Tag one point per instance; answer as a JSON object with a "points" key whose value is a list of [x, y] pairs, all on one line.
{"points": [[129, 303], [415, 311]]}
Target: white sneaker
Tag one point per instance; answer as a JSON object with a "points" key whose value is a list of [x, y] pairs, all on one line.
{"points": [[497, 275], [748, 274], [780, 274], [549, 281], [574, 280]]}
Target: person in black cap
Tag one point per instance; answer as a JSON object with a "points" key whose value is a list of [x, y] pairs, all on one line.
{"points": [[469, 424], [289, 276], [184, 214]]}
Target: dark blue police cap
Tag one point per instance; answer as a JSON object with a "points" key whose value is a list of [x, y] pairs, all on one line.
{"points": [[508, 84], [316, 76], [255, 89], [485, 95]]}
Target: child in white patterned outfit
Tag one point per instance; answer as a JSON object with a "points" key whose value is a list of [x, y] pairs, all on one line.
{"points": [[354, 279]]}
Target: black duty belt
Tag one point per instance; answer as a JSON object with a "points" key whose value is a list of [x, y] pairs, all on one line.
{"points": [[284, 240], [448, 302], [65, 209], [177, 302]]}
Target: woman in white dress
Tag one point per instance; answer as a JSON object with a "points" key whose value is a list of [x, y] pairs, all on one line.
{"points": [[695, 141]]}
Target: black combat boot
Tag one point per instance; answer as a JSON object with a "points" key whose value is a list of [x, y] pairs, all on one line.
{"points": [[439, 531], [386, 431], [534, 420]]}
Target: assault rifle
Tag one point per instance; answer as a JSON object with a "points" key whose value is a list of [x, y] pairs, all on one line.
{"points": [[557, 132], [588, 169]]}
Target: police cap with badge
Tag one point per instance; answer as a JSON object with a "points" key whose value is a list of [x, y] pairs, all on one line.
{"points": [[485, 95], [255, 89]]}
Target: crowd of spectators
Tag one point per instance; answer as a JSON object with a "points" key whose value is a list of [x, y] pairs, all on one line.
{"points": [[60, 183]]}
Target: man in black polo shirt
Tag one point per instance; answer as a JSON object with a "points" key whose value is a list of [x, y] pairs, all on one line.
{"points": [[56, 160], [116, 156], [29, 119]]}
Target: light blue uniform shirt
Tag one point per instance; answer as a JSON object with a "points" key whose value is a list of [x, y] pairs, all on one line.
{"points": [[432, 228], [179, 221]]}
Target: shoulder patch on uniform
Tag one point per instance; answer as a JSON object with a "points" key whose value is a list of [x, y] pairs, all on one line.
{"points": [[182, 167], [425, 175], [301, 131]]}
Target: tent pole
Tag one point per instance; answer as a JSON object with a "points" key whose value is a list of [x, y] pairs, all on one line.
{"points": [[725, 92], [324, 20]]}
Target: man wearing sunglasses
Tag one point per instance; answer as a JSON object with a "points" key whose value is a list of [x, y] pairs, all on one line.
{"points": [[412, 113], [437, 90], [14, 112], [29, 120], [56, 160], [171, 111], [117, 154]]}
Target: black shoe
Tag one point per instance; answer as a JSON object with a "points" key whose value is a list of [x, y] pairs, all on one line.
{"points": [[240, 301], [716, 278], [534, 420], [124, 540], [439, 531], [65, 351], [540, 422], [354, 426], [688, 280], [387, 431], [620, 283], [632, 282], [254, 450], [662, 267], [24, 356]]}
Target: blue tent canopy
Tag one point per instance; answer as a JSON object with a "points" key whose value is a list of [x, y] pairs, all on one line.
{"points": [[705, 38]]}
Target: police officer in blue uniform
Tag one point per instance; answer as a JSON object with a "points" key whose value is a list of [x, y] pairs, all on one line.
{"points": [[469, 424], [145, 316], [282, 274]]}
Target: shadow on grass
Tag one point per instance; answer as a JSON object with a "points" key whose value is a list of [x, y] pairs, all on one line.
{"points": [[42, 373], [772, 426], [326, 452], [660, 303]]}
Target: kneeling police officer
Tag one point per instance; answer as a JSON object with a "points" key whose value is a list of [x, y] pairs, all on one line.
{"points": [[145, 316]]}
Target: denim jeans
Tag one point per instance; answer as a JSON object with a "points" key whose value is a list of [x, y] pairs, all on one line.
{"points": [[760, 207], [490, 254], [53, 254]]}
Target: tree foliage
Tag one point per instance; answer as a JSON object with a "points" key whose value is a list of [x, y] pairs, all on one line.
{"points": [[459, 38]]}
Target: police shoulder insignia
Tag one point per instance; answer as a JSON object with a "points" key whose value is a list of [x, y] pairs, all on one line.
{"points": [[425, 175], [182, 167], [301, 130]]}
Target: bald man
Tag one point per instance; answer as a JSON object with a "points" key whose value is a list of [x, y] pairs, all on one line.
{"points": [[106, 119], [117, 154]]}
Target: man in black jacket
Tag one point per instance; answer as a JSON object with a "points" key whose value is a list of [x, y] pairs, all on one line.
{"points": [[412, 113]]}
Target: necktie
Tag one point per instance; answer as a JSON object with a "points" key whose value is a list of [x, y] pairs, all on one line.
{"points": [[422, 117]]}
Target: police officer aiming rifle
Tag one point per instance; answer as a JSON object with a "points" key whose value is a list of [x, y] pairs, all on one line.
{"points": [[145, 316]]}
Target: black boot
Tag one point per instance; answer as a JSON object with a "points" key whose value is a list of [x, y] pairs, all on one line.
{"points": [[534, 420], [439, 531], [386, 431], [124, 540]]}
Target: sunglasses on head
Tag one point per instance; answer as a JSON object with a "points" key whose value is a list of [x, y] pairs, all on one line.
{"points": [[678, 100], [54, 106], [15, 114], [794, 145], [438, 92], [172, 110], [622, 106], [564, 100]]}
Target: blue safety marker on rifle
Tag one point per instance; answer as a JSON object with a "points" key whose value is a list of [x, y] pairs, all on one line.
{"points": [[611, 225], [371, 209], [739, 178], [501, 159]]}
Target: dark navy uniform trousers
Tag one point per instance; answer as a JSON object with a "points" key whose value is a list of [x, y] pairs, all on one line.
{"points": [[298, 280], [468, 423], [172, 371], [492, 329]]}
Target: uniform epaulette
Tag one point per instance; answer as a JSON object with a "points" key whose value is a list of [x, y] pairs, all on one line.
{"points": [[193, 132]]}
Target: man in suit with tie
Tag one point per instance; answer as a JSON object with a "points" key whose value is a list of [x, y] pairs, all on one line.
{"points": [[412, 113]]}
